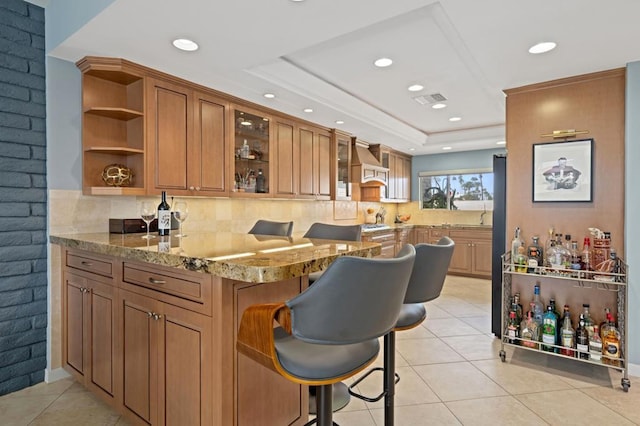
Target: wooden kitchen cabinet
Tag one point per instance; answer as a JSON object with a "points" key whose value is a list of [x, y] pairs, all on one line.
{"points": [[398, 188], [89, 324], [314, 163], [472, 253], [186, 140], [254, 127], [387, 239], [403, 236], [113, 117], [341, 167]]}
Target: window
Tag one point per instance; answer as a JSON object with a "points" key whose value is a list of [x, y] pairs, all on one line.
{"points": [[456, 189]]}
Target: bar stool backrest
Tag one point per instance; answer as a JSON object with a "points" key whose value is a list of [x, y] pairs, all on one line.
{"points": [[429, 271], [328, 231], [267, 227]]}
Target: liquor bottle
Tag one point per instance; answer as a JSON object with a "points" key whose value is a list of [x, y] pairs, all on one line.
{"points": [[587, 257], [534, 253], [582, 339], [554, 309], [260, 182], [520, 260], [595, 345], [567, 335], [529, 331], [549, 242], [538, 308], [575, 261], [517, 307], [164, 216], [515, 244], [588, 321], [513, 328], [567, 242], [611, 344], [549, 325], [613, 255], [604, 325]]}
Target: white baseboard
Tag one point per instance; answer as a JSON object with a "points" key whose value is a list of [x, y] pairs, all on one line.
{"points": [[634, 370], [55, 375]]}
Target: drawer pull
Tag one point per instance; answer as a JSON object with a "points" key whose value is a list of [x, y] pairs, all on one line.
{"points": [[157, 316], [155, 281], [85, 263]]}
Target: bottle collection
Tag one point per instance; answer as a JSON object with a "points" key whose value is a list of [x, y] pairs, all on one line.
{"points": [[544, 328], [598, 262]]}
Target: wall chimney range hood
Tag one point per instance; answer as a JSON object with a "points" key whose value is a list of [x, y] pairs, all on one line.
{"points": [[366, 170]]}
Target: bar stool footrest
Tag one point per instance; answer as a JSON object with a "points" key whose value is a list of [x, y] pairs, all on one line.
{"points": [[366, 398]]}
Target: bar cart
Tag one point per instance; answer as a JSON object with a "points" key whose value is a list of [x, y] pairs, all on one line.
{"points": [[580, 280]]}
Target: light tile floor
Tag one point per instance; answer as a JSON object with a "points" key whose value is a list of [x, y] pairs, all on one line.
{"points": [[451, 374]]}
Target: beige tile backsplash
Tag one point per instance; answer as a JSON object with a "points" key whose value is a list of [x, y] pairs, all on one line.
{"points": [[70, 212]]}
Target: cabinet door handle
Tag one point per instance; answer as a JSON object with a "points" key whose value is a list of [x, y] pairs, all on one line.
{"points": [[155, 281], [157, 317], [197, 188], [191, 188], [85, 263], [150, 314]]}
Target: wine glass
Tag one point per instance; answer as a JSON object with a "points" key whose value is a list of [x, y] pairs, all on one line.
{"points": [[148, 213], [180, 212]]}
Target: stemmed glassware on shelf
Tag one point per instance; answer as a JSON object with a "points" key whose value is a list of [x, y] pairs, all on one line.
{"points": [[148, 213], [180, 212]]}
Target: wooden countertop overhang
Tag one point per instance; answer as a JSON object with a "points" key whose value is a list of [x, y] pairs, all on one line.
{"points": [[236, 256]]}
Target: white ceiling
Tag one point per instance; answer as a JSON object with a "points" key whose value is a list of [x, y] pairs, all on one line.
{"points": [[319, 54]]}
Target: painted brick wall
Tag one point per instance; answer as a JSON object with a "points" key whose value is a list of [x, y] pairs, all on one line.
{"points": [[23, 196]]}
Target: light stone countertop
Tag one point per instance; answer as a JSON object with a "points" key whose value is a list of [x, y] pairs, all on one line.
{"points": [[238, 256]]}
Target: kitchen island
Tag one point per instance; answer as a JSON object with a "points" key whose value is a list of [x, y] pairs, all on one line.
{"points": [[150, 326]]}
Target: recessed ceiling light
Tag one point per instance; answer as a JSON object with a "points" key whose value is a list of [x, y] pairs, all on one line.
{"points": [[455, 118], [412, 149], [446, 148], [383, 62], [245, 122], [339, 122], [415, 87], [438, 106], [297, 1], [185, 44], [308, 110], [269, 95], [501, 143], [543, 47]]}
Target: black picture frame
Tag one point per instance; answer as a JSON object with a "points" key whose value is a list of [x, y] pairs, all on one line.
{"points": [[563, 171]]}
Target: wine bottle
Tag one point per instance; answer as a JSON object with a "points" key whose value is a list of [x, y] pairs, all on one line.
{"points": [[164, 216]]}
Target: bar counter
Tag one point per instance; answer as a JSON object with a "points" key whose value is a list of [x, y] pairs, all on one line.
{"points": [[150, 326], [237, 256]]}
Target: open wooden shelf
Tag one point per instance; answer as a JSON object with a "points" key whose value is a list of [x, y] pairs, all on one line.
{"points": [[124, 114], [119, 150], [114, 190]]}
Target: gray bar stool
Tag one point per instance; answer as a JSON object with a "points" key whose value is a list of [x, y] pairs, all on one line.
{"points": [[267, 227], [330, 331], [427, 279]]}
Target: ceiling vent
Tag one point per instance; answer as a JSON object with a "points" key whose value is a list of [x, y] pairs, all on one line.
{"points": [[430, 99]]}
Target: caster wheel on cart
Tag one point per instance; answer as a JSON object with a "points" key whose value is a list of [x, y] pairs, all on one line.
{"points": [[503, 355], [626, 384]]}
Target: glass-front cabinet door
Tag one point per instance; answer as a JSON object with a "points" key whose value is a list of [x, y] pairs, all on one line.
{"points": [[251, 147], [342, 173]]}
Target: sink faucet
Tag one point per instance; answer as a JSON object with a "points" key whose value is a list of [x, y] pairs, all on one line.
{"points": [[482, 217]]}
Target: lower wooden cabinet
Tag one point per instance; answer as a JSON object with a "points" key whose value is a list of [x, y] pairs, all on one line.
{"points": [[89, 324], [472, 253], [166, 364], [387, 240]]}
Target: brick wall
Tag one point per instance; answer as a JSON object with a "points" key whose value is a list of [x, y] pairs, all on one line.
{"points": [[23, 196]]}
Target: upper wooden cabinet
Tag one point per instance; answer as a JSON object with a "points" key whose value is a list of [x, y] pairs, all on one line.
{"points": [[341, 166], [398, 188], [112, 123], [186, 140], [251, 152]]}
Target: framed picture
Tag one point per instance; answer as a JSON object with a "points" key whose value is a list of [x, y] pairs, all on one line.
{"points": [[563, 171]]}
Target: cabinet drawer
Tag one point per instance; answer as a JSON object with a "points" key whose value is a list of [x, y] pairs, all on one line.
{"points": [[379, 238], [190, 289], [470, 234], [90, 264]]}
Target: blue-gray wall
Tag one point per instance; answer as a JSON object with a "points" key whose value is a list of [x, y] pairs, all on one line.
{"points": [[64, 124], [450, 161], [632, 207], [23, 196]]}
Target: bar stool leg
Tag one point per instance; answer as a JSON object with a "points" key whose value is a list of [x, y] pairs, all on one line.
{"points": [[389, 377], [324, 408]]}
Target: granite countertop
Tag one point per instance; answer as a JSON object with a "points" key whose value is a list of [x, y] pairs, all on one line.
{"points": [[238, 256], [400, 226]]}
